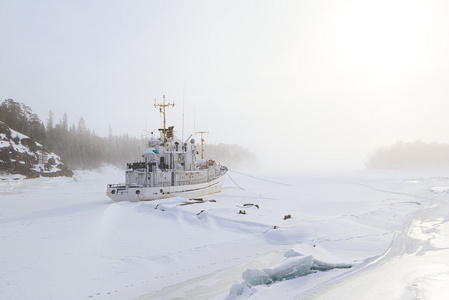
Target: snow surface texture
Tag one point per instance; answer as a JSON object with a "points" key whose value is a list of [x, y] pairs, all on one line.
{"points": [[364, 235]]}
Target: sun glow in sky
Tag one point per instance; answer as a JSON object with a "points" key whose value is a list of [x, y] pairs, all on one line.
{"points": [[324, 82], [384, 35]]}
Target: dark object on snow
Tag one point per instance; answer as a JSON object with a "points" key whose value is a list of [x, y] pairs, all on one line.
{"points": [[250, 204], [196, 201]]}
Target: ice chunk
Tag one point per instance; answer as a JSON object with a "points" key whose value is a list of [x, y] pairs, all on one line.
{"points": [[239, 290], [236, 290], [292, 267], [324, 266], [292, 253], [256, 277]]}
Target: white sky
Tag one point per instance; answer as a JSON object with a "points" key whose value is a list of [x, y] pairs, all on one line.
{"points": [[322, 83]]}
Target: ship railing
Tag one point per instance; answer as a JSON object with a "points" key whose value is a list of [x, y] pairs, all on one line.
{"points": [[186, 182], [163, 183], [117, 185], [183, 182], [193, 181], [135, 185]]}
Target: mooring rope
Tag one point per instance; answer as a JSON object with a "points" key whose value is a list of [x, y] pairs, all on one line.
{"points": [[234, 182], [259, 178]]}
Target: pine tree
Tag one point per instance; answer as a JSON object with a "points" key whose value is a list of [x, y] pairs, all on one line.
{"points": [[50, 121]]}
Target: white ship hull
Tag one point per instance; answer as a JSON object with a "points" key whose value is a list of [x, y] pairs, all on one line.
{"points": [[169, 167], [138, 193]]}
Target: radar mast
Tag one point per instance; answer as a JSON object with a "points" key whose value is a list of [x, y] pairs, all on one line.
{"points": [[162, 110], [202, 142]]}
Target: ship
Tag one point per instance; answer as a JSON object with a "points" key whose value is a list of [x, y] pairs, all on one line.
{"points": [[169, 167]]}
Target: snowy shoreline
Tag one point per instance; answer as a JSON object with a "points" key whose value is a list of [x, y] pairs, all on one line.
{"points": [[65, 235]]}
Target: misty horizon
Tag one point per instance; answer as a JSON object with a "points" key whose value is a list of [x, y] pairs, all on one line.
{"points": [[322, 83]]}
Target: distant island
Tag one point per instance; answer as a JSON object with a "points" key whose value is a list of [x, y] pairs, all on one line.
{"points": [[406, 155]]}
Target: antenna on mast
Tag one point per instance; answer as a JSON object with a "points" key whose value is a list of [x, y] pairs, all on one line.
{"points": [[202, 142], [162, 110], [183, 100]]}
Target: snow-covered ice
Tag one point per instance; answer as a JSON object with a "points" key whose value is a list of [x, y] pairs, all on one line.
{"points": [[354, 235]]}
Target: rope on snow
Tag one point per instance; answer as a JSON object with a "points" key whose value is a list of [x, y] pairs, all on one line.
{"points": [[258, 178], [235, 182]]}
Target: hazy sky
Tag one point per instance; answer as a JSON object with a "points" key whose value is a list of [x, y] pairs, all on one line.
{"points": [[306, 84]]}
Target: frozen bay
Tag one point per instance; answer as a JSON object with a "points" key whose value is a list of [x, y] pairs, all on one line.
{"points": [[62, 238]]}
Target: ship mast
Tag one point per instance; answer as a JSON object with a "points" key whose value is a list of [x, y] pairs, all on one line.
{"points": [[162, 110], [202, 142]]}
